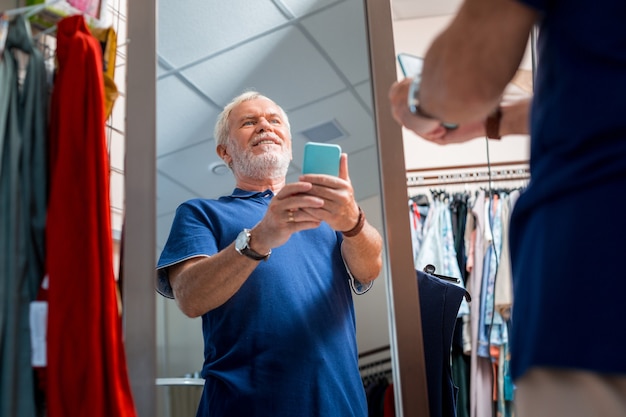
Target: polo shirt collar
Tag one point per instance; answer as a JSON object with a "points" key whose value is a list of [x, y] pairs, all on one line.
{"points": [[239, 193]]}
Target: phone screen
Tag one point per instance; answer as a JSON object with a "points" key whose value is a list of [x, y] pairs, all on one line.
{"points": [[411, 65], [321, 158]]}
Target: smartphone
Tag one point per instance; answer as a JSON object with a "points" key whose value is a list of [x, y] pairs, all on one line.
{"points": [[321, 158], [411, 65]]}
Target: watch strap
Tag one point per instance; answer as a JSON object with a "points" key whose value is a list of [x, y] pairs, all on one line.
{"points": [[243, 247], [250, 253], [359, 225]]}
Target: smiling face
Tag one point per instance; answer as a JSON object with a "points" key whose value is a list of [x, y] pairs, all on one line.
{"points": [[259, 143]]}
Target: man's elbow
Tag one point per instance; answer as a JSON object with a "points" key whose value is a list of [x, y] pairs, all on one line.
{"points": [[187, 307], [374, 271]]}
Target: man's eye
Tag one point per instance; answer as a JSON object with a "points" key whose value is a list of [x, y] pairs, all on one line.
{"points": [[248, 123], [275, 121]]}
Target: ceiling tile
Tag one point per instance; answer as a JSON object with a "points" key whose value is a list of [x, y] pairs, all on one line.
{"points": [[184, 118], [190, 167], [340, 31], [301, 8], [364, 90], [200, 28], [170, 194], [347, 110], [364, 173], [283, 65]]}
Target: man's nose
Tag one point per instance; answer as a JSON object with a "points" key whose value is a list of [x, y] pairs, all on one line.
{"points": [[263, 125]]}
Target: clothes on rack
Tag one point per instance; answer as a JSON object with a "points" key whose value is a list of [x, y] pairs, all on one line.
{"points": [[108, 42], [480, 393], [23, 189], [460, 344], [439, 240], [438, 245], [474, 226], [493, 338], [54, 197], [378, 387], [86, 357], [439, 305]]}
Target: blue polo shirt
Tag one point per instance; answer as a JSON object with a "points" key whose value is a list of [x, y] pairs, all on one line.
{"points": [[285, 343]]}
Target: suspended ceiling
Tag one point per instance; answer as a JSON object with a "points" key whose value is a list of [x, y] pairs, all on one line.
{"points": [[309, 56]]}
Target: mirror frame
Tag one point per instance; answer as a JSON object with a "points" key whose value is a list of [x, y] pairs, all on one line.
{"points": [[407, 350], [139, 234]]}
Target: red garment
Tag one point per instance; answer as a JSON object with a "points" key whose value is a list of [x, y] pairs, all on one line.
{"points": [[87, 374], [389, 409]]}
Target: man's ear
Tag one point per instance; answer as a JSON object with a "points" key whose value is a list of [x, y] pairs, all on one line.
{"points": [[223, 153]]}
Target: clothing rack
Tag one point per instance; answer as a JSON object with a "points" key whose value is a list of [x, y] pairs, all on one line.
{"points": [[468, 174], [375, 366], [375, 362], [374, 351], [44, 16], [28, 11]]}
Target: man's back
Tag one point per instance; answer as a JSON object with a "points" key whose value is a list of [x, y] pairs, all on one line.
{"points": [[568, 226]]}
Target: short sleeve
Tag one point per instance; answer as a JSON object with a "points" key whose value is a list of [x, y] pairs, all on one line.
{"points": [[191, 235]]}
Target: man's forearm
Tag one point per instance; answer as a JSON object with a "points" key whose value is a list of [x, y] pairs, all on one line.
{"points": [[467, 68], [202, 284], [363, 254]]}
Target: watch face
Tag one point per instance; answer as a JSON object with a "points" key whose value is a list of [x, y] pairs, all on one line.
{"points": [[241, 246], [242, 240]]}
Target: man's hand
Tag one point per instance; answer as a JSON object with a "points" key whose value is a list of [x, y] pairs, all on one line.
{"points": [[288, 212], [514, 119], [398, 97], [463, 133], [340, 209]]}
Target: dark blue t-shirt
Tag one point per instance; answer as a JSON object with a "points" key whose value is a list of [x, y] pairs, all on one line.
{"points": [[568, 228], [285, 343]]}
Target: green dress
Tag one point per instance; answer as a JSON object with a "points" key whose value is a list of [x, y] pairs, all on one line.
{"points": [[23, 190]]}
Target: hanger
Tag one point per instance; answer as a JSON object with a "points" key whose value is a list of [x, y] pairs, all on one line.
{"points": [[16, 20], [19, 35], [48, 31], [420, 200], [430, 270], [29, 11]]}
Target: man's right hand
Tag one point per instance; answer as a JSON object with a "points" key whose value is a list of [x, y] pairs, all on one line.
{"points": [[285, 216]]}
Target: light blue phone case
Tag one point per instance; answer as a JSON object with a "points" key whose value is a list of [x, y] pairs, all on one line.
{"points": [[321, 158]]}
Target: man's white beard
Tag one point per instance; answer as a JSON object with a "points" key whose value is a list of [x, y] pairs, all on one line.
{"points": [[264, 166]]}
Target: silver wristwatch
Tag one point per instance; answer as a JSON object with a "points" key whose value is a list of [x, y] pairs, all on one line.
{"points": [[242, 245], [414, 106]]}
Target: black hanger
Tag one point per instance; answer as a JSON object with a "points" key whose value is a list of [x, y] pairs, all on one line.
{"points": [[421, 200], [430, 270]]}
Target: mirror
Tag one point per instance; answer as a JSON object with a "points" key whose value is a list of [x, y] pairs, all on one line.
{"points": [[324, 83], [139, 255], [312, 58]]}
